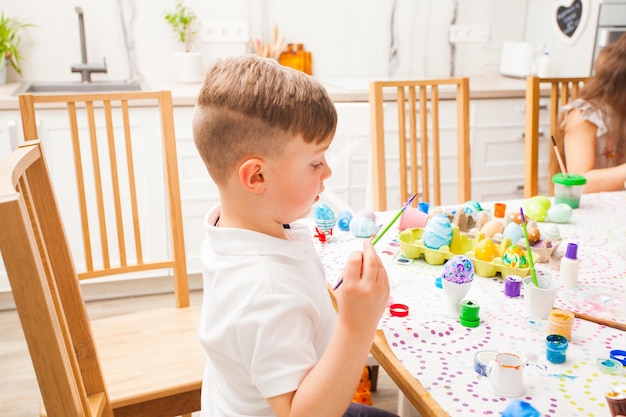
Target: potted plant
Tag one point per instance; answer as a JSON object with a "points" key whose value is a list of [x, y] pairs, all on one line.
{"points": [[187, 64], [10, 39]]}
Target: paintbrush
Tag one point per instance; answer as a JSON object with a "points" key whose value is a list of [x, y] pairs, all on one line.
{"points": [[530, 254], [558, 158], [379, 235]]}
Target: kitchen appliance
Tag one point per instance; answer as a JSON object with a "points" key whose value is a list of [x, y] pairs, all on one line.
{"points": [[611, 25], [574, 31], [518, 59]]}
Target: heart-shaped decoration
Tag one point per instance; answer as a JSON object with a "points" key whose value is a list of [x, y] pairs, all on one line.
{"points": [[570, 19]]}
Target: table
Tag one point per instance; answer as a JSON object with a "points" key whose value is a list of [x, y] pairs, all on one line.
{"points": [[431, 357]]}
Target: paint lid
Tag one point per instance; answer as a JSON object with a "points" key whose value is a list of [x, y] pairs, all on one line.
{"points": [[570, 180], [572, 251]]}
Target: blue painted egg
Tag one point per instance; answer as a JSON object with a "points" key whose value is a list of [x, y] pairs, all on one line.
{"points": [[362, 226], [343, 220], [472, 207], [513, 231], [324, 212], [437, 232], [459, 270]]}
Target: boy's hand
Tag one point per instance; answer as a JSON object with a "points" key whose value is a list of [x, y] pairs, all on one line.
{"points": [[364, 293]]}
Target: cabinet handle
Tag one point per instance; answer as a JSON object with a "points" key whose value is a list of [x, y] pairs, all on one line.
{"points": [[543, 105], [12, 128], [522, 135], [517, 188]]}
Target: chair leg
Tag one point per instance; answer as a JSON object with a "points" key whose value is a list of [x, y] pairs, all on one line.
{"points": [[373, 370]]}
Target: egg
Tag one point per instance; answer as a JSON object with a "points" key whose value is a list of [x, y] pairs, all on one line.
{"points": [[367, 213], [324, 212], [362, 226], [343, 220], [324, 217], [549, 231], [486, 250], [437, 232], [459, 269], [514, 216], [533, 232], [535, 209], [513, 231], [492, 227], [515, 257], [542, 200], [472, 207], [560, 213]]}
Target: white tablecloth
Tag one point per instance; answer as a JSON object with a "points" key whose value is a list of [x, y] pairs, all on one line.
{"points": [[439, 351]]}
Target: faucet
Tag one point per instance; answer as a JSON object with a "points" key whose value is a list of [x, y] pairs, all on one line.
{"points": [[85, 68]]}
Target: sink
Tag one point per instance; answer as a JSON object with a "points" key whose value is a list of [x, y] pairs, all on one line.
{"points": [[51, 87]]}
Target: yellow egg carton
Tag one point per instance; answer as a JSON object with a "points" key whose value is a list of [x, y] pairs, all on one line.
{"points": [[412, 247]]}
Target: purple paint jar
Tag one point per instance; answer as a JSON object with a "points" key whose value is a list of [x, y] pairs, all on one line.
{"points": [[512, 286]]}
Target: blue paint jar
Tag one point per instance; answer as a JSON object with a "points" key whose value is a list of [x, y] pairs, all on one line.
{"points": [[556, 345]]}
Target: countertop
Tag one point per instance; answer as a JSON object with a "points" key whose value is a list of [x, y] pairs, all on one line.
{"points": [[340, 90]]}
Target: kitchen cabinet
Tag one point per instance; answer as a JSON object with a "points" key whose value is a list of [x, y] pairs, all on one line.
{"points": [[497, 147], [497, 144], [198, 193], [497, 137]]}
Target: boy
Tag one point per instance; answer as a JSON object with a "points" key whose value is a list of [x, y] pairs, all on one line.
{"points": [[274, 344]]}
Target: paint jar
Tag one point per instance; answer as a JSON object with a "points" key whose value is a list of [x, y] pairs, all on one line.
{"points": [[616, 399], [469, 314], [568, 189], [481, 359], [512, 286], [499, 210], [561, 322], [556, 345]]}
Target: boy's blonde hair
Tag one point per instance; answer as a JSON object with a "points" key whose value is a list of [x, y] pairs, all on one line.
{"points": [[250, 106]]}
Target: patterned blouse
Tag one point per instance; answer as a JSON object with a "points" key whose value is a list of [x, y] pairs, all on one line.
{"points": [[609, 151]]}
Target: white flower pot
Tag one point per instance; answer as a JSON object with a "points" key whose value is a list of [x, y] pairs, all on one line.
{"points": [[188, 67], [3, 72]]}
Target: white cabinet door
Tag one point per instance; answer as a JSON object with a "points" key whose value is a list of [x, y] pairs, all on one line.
{"points": [[10, 137], [55, 137], [198, 191], [497, 132]]}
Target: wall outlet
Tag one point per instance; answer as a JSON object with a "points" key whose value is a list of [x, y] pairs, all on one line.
{"points": [[468, 33], [225, 32]]}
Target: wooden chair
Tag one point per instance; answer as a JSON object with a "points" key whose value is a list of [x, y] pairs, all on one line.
{"points": [[152, 360], [417, 125], [561, 92]]}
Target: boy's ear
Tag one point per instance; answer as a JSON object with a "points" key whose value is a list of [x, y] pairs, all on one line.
{"points": [[251, 175]]}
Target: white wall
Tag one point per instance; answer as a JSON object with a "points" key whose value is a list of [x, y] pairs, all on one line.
{"points": [[346, 37]]}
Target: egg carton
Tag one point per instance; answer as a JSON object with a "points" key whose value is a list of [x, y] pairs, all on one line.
{"points": [[412, 247], [469, 224]]}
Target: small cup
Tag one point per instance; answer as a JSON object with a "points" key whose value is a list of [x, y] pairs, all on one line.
{"points": [[568, 189], [499, 210], [469, 314], [561, 322], [556, 346], [482, 359], [616, 399], [538, 300], [411, 218], [512, 286], [506, 373]]}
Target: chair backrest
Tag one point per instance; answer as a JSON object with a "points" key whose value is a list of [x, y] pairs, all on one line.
{"points": [[418, 139], [111, 149], [46, 290], [562, 91]]}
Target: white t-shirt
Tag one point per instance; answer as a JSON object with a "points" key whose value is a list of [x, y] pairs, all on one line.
{"points": [[266, 316]]}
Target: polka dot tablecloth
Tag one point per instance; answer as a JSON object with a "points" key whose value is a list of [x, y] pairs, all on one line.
{"points": [[440, 352]]}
